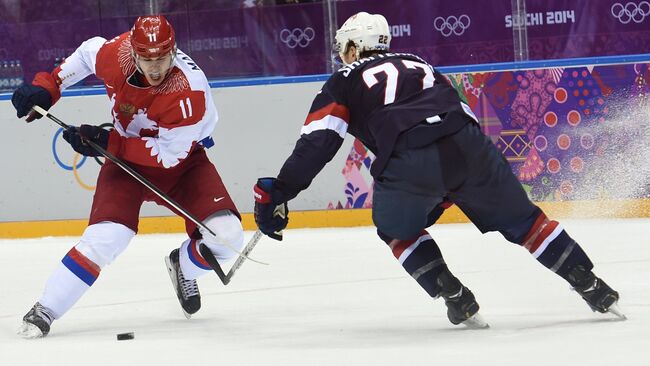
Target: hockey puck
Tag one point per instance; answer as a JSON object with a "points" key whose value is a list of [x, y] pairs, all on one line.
{"points": [[125, 336]]}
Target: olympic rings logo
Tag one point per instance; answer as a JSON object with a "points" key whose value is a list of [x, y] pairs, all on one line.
{"points": [[452, 25], [631, 12], [77, 161], [297, 37]]}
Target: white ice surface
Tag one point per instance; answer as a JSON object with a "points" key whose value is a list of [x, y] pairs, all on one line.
{"points": [[337, 297]]}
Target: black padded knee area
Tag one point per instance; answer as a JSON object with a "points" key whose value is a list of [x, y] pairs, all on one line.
{"points": [[517, 233], [437, 211], [385, 238]]}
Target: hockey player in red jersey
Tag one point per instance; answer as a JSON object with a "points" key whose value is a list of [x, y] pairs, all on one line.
{"points": [[162, 110], [430, 153]]}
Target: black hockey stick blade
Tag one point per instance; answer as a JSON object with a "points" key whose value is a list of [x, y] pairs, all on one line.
{"points": [[206, 253]]}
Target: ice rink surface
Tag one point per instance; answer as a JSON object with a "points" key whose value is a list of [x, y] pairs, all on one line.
{"points": [[338, 297]]}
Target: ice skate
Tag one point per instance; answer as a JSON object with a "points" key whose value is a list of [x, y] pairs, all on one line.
{"points": [[462, 307], [187, 291], [598, 295], [36, 323]]}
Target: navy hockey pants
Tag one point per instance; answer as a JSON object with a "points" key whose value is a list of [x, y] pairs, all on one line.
{"points": [[466, 168]]}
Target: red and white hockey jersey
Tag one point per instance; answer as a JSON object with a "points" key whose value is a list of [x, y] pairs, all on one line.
{"points": [[155, 125]]}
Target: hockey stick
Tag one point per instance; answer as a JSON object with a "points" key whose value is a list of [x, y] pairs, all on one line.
{"points": [[214, 264], [152, 187]]}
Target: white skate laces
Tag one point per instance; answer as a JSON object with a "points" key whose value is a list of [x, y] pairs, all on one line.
{"points": [[189, 288]]}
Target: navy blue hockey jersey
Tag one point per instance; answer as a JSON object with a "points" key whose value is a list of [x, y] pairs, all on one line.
{"points": [[374, 99]]}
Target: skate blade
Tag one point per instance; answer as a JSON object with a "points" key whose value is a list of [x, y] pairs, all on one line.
{"points": [[614, 309], [476, 321], [29, 331], [172, 276]]}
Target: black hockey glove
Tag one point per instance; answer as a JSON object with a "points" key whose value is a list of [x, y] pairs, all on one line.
{"points": [[77, 137], [27, 96], [271, 217]]}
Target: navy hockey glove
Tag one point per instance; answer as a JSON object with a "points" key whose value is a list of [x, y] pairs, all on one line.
{"points": [[271, 217], [77, 137], [27, 96]]}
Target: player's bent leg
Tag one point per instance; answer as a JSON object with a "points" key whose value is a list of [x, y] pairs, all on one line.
{"points": [[550, 244], [186, 264], [229, 234], [422, 259], [99, 245]]}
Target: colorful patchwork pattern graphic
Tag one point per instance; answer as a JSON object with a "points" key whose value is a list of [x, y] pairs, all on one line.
{"points": [[568, 133]]}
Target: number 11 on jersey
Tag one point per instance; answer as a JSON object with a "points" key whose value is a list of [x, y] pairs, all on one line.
{"points": [[186, 107]]}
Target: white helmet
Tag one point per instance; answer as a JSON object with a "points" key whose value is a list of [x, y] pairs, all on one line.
{"points": [[368, 32]]}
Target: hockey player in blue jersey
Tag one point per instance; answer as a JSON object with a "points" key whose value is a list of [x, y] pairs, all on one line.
{"points": [[430, 152]]}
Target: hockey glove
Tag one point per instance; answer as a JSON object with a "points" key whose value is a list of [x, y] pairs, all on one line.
{"points": [[271, 217], [27, 96], [77, 137]]}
